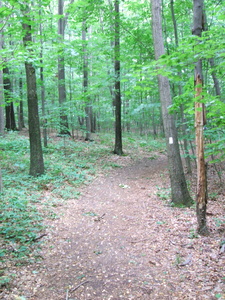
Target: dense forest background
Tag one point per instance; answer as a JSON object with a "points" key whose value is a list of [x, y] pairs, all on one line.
{"points": [[72, 52]]}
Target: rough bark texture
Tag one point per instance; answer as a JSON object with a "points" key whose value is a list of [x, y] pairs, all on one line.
{"points": [[179, 191], [201, 196], [118, 128], [201, 193], [36, 155]]}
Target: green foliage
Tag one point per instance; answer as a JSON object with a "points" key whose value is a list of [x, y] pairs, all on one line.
{"points": [[164, 193], [193, 234]]}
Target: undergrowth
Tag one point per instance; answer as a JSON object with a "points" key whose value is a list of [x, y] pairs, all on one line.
{"points": [[27, 201]]}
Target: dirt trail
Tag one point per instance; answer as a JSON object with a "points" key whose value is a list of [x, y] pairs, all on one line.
{"points": [[120, 241]]}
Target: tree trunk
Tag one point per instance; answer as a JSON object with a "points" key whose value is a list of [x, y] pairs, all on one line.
{"points": [[2, 123], [61, 72], [179, 191], [45, 137], [211, 60], [183, 120], [36, 155], [88, 110], [21, 124], [9, 108], [201, 194], [118, 128]]}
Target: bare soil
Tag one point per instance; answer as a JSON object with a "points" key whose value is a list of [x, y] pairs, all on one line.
{"points": [[120, 240]]}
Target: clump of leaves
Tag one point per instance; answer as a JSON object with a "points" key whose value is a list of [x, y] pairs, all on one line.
{"points": [[164, 193]]}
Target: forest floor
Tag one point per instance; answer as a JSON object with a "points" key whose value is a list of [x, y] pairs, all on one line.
{"points": [[122, 240]]}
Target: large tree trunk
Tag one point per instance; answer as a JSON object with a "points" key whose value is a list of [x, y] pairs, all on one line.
{"points": [[61, 72], [118, 128], [201, 196], [179, 191], [36, 154]]}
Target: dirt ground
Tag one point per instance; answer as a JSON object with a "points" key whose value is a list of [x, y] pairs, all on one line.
{"points": [[120, 240]]}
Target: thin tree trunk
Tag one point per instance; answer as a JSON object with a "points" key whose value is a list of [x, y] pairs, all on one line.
{"points": [[179, 191], [2, 123], [211, 60], [21, 124], [201, 195], [85, 83], [118, 128], [36, 154], [45, 138], [61, 72], [9, 108], [184, 126]]}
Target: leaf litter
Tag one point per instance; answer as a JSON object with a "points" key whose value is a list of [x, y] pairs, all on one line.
{"points": [[120, 240]]}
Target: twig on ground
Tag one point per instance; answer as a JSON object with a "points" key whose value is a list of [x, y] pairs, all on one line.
{"points": [[187, 261], [139, 241], [99, 218], [77, 287], [37, 238], [67, 294]]}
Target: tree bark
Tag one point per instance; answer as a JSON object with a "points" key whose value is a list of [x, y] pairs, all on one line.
{"points": [[211, 61], [21, 124], [2, 123], [179, 191], [61, 72], [183, 120], [200, 120], [118, 127], [9, 108], [45, 137], [36, 154], [88, 110]]}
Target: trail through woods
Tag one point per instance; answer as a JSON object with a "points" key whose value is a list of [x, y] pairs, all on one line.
{"points": [[120, 240]]}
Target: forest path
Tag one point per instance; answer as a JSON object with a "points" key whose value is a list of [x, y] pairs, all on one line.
{"points": [[120, 241]]}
